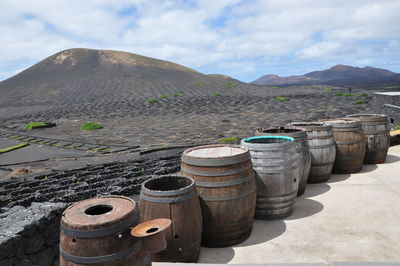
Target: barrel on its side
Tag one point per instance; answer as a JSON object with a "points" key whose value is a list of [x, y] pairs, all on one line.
{"points": [[174, 197], [97, 231], [322, 149], [276, 163], [350, 145], [376, 129], [225, 182], [301, 143]]}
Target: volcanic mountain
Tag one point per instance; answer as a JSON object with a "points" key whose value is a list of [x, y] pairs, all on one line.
{"points": [[79, 75], [337, 75]]}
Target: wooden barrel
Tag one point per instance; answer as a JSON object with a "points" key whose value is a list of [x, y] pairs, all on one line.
{"points": [[377, 131], [225, 182], [301, 143], [174, 197], [350, 145], [97, 231], [276, 163], [322, 149]]}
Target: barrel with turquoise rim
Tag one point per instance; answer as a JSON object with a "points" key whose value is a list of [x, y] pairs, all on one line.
{"points": [[276, 164], [226, 186], [174, 197]]}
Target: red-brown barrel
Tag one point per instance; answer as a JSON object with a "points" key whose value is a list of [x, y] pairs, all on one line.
{"points": [[302, 148], [350, 145], [226, 185], [174, 197], [322, 149], [97, 232], [377, 131]]}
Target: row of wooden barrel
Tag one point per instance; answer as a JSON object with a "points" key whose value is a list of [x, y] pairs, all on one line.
{"points": [[222, 187]]}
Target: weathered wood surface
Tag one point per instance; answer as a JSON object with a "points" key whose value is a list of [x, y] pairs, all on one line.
{"points": [[377, 131], [301, 143], [276, 163], [226, 185], [175, 198]]}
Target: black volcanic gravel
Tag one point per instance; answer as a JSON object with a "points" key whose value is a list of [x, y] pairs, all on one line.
{"points": [[83, 183]]}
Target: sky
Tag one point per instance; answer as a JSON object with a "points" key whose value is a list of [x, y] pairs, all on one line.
{"points": [[243, 39]]}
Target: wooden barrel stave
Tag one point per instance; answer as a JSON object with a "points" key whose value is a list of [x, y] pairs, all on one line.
{"points": [[226, 187], [181, 205], [376, 130]]}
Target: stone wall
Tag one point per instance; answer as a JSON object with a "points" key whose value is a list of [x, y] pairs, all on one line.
{"points": [[30, 236], [378, 106]]}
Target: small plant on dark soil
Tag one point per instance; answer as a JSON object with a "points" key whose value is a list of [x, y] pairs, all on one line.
{"points": [[281, 99], [200, 83], [329, 106], [13, 147], [327, 89], [275, 87], [363, 94], [181, 92], [91, 126], [225, 140], [34, 125], [152, 100], [216, 94], [163, 96], [360, 102], [228, 85], [176, 94]]}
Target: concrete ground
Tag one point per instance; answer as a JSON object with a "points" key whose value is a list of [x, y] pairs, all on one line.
{"points": [[351, 218]]}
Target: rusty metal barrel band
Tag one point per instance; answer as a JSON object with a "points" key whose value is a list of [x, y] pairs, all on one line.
{"points": [[197, 161], [322, 146], [169, 192], [236, 223], [228, 183], [167, 200], [350, 129], [100, 259], [320, 137], [132, 220], [322, 164], [349, 142], [223, 173], [277, 196], [366, 132], [228, 197]]}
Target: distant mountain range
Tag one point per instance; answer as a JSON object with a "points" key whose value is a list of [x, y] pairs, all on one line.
{"points": [[337, 75]]}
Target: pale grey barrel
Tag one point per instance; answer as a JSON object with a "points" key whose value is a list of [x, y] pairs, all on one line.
{"points": [[376, 130], [350, 145], [301, 143], [276, 164], [322, 149]]}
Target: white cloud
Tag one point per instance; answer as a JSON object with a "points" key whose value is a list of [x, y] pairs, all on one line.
{"points": [[207, 35]]}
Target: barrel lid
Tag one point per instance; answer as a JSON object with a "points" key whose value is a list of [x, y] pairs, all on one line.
{"points": [[342, 122], [369, 117], [310, 126], [151, 227], [98, 212], [215, 155], [293, 132]]}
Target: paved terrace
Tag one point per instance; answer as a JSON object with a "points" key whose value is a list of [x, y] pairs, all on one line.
{"points": [[351, 218]]}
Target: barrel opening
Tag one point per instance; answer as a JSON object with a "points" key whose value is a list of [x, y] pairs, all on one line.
{"points": [[166, 183], [176, 236], [98, 209], [151, 230], [268, 139], [279, 130]]}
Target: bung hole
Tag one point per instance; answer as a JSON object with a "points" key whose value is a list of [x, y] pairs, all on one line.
{"points": [[98, 209]]}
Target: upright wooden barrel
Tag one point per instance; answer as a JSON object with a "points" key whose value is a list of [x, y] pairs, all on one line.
{"points": [[350, 145], [276, 163], [301, 143], [322, 149], [174, 197], [97, 232], [377, 131], [225, 182]]}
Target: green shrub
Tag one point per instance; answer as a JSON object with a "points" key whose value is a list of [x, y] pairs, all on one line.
{"points": [[275, 87], [329, 106], [346, 94], [33, 125], [13, 147], [181, 92], [363, 95], [228, 85], [281, 99], [152, 100], [360, 102], [397, 127], [163, 96], [327, 89], [176, 94], [216, 94], [201, 84], [91, 126], [225, 140]]}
